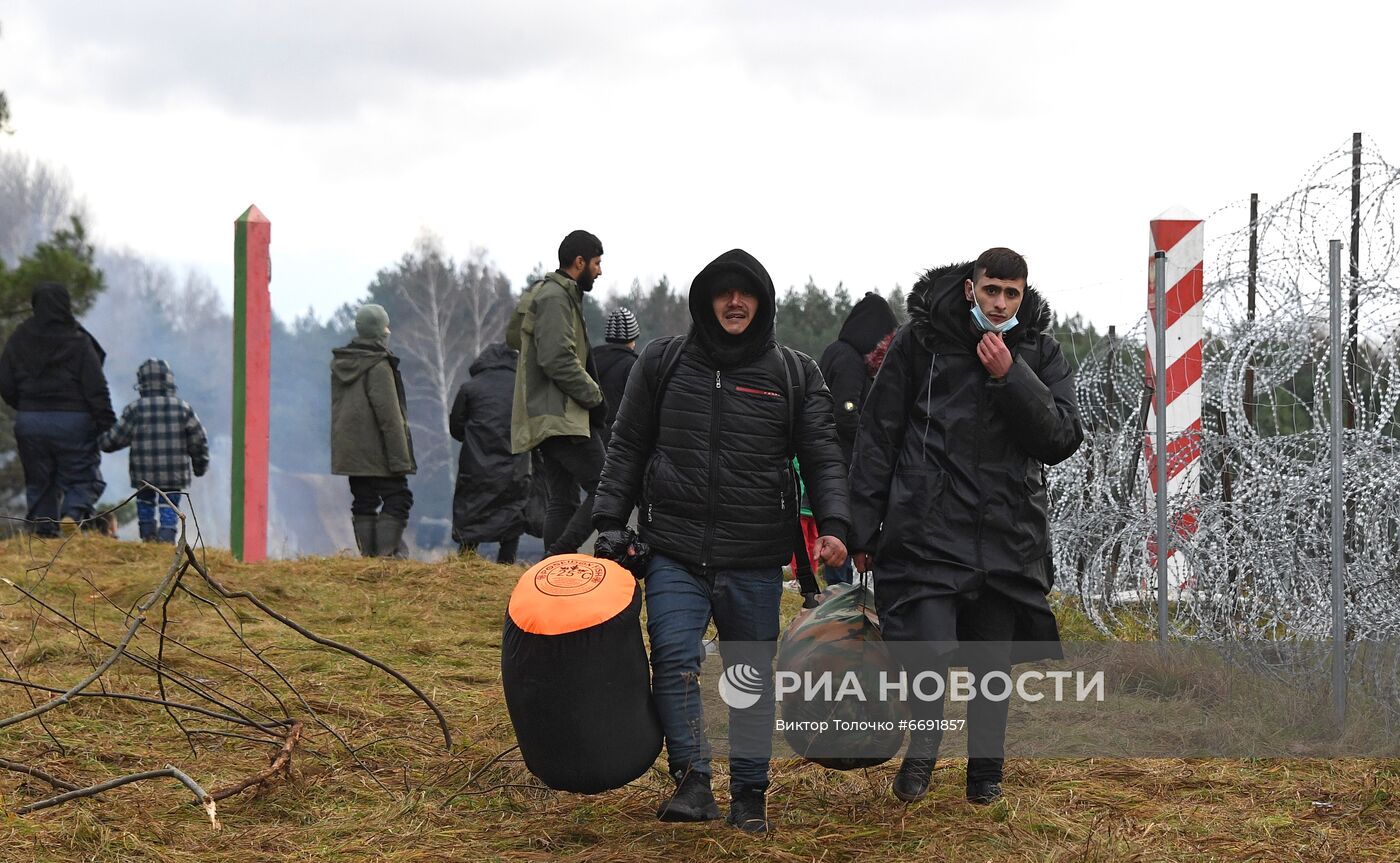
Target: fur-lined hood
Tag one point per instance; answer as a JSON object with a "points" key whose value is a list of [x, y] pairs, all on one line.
{"points": [[938, 309]]}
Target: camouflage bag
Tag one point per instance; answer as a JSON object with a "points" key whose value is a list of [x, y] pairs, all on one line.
{"points": [[840, 637]]}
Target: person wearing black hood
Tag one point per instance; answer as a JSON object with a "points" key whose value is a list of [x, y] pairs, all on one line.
{"points": [[948, 491], [849, 365], [702, 446], [51, 374], [493, 484]]}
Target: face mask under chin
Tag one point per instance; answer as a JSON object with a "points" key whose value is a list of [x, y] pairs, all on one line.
{"points": [[984, 323]]}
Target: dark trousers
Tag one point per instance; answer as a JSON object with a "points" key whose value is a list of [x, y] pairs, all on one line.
{"points": [[985, 622], [62, 467], [571, 462], [505, 553], [369, 492]]}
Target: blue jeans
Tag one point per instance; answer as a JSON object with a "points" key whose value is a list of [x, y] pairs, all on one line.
{"points": [[151, 509], [744, 604], [843, 574], [62, 467]]}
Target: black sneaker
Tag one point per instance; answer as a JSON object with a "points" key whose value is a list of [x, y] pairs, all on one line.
{"points": [[747, 811], [911, 783], [693, 800], [983, 793]]}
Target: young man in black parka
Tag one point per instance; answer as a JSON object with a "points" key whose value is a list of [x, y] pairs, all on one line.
{"points": [[948, 491]]}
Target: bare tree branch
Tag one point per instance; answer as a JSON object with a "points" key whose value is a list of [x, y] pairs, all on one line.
{"points": [[322, 640], [165, 586], [146, 699], [17, 767], [282, 763], [183, 680], [170, 771]]}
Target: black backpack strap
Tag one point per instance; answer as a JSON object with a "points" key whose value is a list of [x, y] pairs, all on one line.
{"points": [[796, 380], [670, 358]]}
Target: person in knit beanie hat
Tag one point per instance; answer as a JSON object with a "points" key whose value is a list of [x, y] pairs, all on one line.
{"points": [[614, 359], [621, 327], [370, 440]]}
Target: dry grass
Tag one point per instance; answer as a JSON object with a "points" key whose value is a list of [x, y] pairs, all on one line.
{"points": [[440, 625]]}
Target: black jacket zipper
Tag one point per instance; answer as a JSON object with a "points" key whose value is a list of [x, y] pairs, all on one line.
{"points": [[714, 463]]}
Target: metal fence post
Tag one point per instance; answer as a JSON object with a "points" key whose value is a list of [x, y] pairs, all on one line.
{"points": [[1339, 646], [1159, 380]]}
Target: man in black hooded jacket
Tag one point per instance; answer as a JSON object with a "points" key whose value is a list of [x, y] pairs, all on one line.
{"points": [[703, 450], [51, 374], [948, 490], [849, 364], [493, 484]]}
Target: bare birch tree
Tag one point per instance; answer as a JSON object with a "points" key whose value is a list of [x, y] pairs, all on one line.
{"points": [[441, 315]]}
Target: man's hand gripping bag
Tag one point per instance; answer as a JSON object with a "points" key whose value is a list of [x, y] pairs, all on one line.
{"points": [[840, 637], [575, 674]]}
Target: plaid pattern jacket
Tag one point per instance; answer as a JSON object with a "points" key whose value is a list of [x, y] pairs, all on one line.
{"points": [[165, 435]]}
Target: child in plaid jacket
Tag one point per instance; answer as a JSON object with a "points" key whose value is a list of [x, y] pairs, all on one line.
{"points": [[167, 440]]}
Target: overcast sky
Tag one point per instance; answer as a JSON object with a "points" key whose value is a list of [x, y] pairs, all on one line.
{"points": [[848, 142]]}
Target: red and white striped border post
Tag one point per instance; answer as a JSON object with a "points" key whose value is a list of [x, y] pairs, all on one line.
{"points": [[1182, 236]]}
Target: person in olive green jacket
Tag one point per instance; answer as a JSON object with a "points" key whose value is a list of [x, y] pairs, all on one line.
{"points": [[558, 404], [370, 440]]}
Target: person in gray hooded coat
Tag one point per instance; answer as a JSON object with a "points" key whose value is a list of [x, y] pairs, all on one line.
{"points": [[370, 439]]}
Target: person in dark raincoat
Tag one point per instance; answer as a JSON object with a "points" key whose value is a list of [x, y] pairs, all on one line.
{"points": [[488, 504], [849, 365], [948, 490], [51, 374]]}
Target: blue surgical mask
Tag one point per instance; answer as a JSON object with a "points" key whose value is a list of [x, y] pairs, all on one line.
{"points": [[983, 323]]}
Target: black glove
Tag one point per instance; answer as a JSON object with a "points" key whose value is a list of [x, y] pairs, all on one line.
{"points": [[622, 546]]}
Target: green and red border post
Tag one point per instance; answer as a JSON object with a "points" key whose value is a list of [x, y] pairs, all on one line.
{"points": [[252, 371]]}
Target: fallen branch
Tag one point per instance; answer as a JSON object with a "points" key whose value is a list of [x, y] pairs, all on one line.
{"points": [[150, 664], [171, 771], [283, 762], [146, 699], [321, 640], [475, 775], [16, 767], [139, 617]]}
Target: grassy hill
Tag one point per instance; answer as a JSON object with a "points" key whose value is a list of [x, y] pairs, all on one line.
{"points": [[372, 779]]}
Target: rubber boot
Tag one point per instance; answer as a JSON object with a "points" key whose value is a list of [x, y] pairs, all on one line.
{"points": [[364, 534], [506, 553], [388, 536]]}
